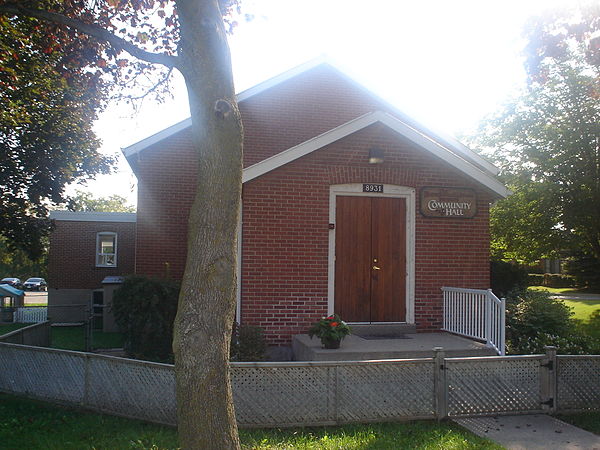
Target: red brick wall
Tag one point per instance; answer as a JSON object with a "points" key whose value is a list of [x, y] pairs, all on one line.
{"points": [[166, 180], [277, 119], [72, 255], [285, 232]]}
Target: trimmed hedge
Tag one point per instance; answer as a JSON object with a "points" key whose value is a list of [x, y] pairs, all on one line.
{"points": [[145, 310], [554, 280], [506, 277]]}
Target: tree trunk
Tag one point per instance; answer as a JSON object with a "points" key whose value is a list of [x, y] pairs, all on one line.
{"points": [[207, 302]]}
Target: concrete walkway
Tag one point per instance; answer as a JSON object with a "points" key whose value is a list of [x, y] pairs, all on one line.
{"points": [[535, 432], [576, 296]]}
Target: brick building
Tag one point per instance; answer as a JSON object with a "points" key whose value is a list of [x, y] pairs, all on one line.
{"points": [[85, 249], [348, 205]]}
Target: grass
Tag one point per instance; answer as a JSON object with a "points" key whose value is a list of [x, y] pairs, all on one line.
{"points": [[7, 328], [589, 421], [73, 338], [30, 424], [582, 309]]}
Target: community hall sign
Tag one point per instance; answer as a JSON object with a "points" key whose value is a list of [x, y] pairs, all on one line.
{"points": [[448, 202]]}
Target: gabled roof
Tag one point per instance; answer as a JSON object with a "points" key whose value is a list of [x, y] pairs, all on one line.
{"points": [[395, 124], [445, 140]]}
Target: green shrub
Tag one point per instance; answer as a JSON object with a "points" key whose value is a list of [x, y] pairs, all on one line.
{"points": [[585, 270], [557, 280], [145, 310], [576, 344], [536, 279], [534, 320], [247, 343], [554, 280], [529, 313], [506, 277]]}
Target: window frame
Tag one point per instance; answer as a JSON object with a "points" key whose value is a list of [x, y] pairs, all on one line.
{"points": [[99, 253]]}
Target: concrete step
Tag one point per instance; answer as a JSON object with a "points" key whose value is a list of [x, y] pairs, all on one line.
{"points": [[383, 329], [356, 348]]}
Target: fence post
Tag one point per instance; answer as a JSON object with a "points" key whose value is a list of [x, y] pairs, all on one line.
{"points": [[488, 317], [86, 380], [439, 383], [548, 380], [503, 326]]}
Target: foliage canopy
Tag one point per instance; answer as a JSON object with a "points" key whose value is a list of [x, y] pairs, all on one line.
{"points": [[48, 103], [547, 145]]}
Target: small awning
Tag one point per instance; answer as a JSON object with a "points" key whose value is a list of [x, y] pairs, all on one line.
{"points": [[9, 291]]}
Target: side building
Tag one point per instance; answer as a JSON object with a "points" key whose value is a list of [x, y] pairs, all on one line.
{"points": [[88, 250]]}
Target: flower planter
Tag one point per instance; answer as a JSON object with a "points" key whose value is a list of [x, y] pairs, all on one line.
{"points": [[331, 343]]}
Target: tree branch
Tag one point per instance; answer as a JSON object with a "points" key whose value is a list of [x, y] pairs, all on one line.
{"points": [[92, 30]]}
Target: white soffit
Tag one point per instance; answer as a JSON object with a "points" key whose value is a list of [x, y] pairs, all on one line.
{"points": [[92, 216], [364, 121], [450, 141]]}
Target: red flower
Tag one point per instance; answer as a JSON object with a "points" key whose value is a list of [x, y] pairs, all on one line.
{"points": [[334, 324]]}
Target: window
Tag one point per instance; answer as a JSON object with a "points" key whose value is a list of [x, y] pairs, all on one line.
{"points": [[106, 249]]}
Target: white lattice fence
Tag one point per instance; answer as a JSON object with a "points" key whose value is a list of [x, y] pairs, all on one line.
{"points": [[578, 383], [480, 386], [332, 392], [265, 394], [132, 388], [315, 393], [31, 314], [43, 373], [385, 391], [282, 394]]}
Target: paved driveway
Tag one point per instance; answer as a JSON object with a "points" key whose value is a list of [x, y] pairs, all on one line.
{"points": [[36, 297]]}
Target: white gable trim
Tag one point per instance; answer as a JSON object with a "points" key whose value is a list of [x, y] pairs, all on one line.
{"points": [[364, 121], [157, 137]]}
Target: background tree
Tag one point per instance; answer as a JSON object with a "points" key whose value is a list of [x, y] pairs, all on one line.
{"points": [[85, 201], [16, 263], [48, 103], [554, 34], [190, 36], [547, 143]]}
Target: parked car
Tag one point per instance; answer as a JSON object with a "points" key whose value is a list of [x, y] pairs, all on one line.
{"points": [[14, 282], [35, 284]]}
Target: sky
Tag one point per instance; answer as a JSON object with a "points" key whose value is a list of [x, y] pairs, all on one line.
{"points": [[446, 63]]}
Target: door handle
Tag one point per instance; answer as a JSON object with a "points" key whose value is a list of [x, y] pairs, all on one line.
{"points": [[376, 268]]}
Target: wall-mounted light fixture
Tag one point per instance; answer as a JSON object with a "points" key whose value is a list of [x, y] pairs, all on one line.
{"points": [[375, 155]]}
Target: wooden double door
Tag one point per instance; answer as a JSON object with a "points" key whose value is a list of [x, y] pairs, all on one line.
{"points": [[370, 259]]}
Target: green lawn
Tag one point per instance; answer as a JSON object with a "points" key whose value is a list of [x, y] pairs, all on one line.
{"points": [[562, 291], [582, 309], [7, 328], [588, 421], [73, 338], [35, 425]]}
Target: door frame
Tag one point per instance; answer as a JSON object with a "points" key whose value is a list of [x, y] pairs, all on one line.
{"points": [[389, 190]]}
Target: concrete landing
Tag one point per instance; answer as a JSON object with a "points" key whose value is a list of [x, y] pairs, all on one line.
{"points": [[535, 432], [418, 345]]}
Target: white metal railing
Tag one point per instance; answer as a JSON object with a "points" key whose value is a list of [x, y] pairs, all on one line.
{"points": [[475, 313], [32, 314]]}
